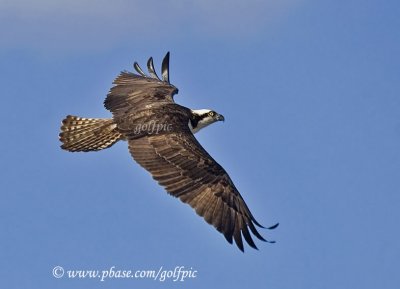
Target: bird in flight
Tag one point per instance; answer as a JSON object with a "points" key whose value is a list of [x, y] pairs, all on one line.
{"points": [[160, 136]]}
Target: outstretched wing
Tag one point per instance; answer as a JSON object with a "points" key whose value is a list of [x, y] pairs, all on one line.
{"points": [[181, 165], [134, 91]]}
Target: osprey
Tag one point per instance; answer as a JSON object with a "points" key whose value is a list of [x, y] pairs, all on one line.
{"points": [[160, 138]]}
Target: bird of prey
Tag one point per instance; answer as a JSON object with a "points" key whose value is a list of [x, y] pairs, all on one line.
{"points": [[160, 138]]}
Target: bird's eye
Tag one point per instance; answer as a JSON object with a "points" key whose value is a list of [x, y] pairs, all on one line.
{"points": [[211, 113]]}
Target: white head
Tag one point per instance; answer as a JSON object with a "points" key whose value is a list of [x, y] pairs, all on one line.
{"points": [[202, 118]]}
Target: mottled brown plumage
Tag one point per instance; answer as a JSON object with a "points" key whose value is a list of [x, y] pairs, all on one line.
{"points": [[173, 156]]}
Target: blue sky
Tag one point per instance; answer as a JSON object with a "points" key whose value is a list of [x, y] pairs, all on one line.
{"points": [[310, 93]]}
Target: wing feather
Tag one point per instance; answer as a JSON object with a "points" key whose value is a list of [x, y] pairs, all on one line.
{"points": [[152, 71], [217, 214], [187, 171], [165, 68], [248, 238], [139, 69], [237, 236], [135, 91]]}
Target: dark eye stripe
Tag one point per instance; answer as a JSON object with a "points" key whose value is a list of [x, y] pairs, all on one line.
{"points": [[203, 116]]}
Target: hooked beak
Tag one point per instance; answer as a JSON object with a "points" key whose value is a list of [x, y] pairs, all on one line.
{"points": [[220, 117]]}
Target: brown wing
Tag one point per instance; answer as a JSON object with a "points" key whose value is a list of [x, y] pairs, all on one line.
{"points": [[136, 91], [180, 164]]}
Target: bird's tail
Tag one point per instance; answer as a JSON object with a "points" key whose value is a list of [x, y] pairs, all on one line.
{"points": [[79, 134]]}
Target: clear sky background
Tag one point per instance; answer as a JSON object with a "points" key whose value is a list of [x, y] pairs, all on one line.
{"points": [[310, 91]]}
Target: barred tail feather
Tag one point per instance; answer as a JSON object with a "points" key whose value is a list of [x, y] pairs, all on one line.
{"points": [[79, 134]]}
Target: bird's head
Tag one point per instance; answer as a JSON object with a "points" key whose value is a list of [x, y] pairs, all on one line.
{"points": [[202, 118]]}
